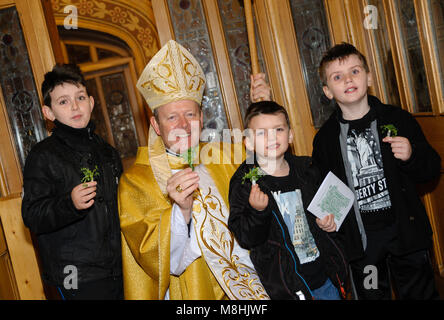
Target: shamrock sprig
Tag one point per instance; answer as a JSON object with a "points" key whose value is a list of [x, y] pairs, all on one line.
{"points": [[189, 156], [89, 175], [253, 175], [389, 130]]}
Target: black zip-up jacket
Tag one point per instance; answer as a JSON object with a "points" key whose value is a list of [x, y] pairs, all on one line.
{"points": [[413, 228], [87, 239], [262, 233]]}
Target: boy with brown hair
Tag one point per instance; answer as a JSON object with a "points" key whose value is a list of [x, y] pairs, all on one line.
{"points": [[387, 230], [70, 195]]}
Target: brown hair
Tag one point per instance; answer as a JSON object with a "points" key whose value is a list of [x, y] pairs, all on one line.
{"points": [[264, 107]]}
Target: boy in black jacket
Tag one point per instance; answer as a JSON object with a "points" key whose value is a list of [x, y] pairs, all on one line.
{"points": [[268, 197], [70, 195], [381, 153]]}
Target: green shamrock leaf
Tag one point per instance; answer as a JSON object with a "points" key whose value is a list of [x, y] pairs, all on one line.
{"points": [[89, 175], [189, 156], [389, 130], [253, 175]]}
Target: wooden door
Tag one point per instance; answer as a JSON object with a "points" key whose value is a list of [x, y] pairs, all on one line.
{"points": [[26, 54], [407, 46]]}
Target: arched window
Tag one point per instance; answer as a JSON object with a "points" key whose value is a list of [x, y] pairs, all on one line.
{"points": [[109, 71]]}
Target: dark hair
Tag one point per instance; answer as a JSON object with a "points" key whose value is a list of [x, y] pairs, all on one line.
{"points": [[264, 107], [60, 74], [339, 52]]}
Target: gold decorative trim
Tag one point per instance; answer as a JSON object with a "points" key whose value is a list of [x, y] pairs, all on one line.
{"points": [[130, 20], [239, 280]]}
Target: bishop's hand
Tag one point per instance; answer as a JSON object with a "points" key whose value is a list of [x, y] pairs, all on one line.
{"points": [[180, 188]]}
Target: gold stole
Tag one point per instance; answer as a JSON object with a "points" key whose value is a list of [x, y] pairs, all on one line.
{"points": [[229, 263]]}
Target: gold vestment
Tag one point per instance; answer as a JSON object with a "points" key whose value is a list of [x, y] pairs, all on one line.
{"points": [[145, 214]]}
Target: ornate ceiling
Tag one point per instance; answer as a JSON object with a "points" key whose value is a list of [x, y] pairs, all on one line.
{"points": [[130, 20]]}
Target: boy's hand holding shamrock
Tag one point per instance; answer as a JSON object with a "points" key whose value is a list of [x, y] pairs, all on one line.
{"points": [[83, 194], [401, 147], [258, 199]]}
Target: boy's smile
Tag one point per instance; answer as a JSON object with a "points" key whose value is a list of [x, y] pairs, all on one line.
{"points": [[71, 105], [347, 81]]}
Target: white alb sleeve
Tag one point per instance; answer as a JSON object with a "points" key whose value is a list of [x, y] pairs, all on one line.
{"points": [[184, 249]]}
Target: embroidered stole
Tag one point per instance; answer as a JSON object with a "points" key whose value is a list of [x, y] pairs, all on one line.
{"points": [[229, 263]]}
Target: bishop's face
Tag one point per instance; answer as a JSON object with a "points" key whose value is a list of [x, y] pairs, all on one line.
{"points": [[179, 124]]}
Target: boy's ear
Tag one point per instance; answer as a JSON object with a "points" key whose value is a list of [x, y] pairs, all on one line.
{"points": [[327, 92], [249, 142], [47, 112], [290, 136], [91, 101], [369, 79]]}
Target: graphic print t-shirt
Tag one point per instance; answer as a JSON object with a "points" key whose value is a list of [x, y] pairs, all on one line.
{"points": [[364, 156], [289, 200]]}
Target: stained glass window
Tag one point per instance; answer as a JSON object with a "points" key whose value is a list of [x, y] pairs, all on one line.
{"points": [[18, 86], [437, 13], [120, 115], [236, 37], [104, 54], [97, 113], [385, 55], [78, 54], [190, 30], [313, 39], [413, 53]]}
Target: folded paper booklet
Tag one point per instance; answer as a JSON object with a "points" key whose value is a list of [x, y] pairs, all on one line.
{"points": [[333, 196]]}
